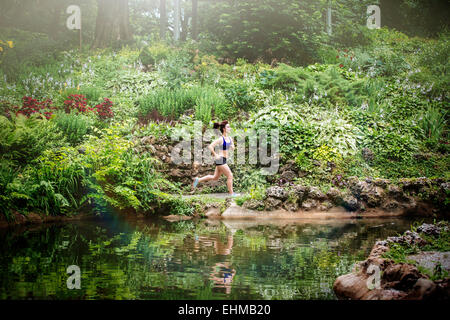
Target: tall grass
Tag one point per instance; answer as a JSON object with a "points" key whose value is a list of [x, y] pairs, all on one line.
{"points": [[204, 101], [433, 123], [73, 125]]}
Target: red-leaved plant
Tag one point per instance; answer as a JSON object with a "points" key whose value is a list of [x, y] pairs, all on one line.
{"points": [[104, 109], [76, 102], [31, 106]]}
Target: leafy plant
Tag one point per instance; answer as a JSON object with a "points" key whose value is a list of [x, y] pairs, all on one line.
{"points": [[76, 102], [74, 126], [23, 139], [103, 109], [433, 123]]}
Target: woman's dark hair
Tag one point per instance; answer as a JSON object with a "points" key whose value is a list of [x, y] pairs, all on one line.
{"points": [[220, 126]]}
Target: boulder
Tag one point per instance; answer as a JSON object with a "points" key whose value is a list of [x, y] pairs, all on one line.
{"points": [[309, 204], [288, 175], [390, 205], [254, 204], [316, 194], [397, 280], [350, 286], [291, 206], [374, 197], [423, 289], [368, 192], [395, 192], [430, 229], [381, 182], [272, 203], [350, 203], [299, 191], [325, 206], [401, 276], [445, 187], [277, 192], [289, 166], [414, 185], [334, 195], [409, 237]]}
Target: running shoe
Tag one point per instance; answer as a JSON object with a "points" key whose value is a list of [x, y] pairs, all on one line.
{"points": [[194, 185]]}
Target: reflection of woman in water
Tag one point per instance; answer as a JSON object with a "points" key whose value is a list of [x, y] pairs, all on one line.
{"points": [[226, 273], [226, 276]]}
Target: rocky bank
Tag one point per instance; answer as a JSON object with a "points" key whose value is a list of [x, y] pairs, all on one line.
{"points": [[398, 281]]}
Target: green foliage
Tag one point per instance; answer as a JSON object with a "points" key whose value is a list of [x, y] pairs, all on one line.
{"points": [[93, 95], [122, 177], [239, 95], [176, 69], [273, 30], [208, 100], [298, 137], [74, 126], [326, 154], [177, 206], [204, 100], [23, 139], [256, 192], [390, 144], [154, 54], [8, 173], [130, 83], [389, 95], [167, 102], [274, 116], [245, 178], [284, 77], [57, 179], [434, 125]]}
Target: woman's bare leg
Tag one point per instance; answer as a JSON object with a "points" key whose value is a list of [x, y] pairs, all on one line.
{"points": [[210, 176], [227, 172]]}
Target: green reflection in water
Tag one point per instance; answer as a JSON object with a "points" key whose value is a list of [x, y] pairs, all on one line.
{"points": [[154, 259]]}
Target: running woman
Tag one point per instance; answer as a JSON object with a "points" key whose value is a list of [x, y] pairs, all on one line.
{"points": [[226, 144]]}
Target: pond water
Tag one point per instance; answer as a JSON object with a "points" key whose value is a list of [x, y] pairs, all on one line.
{"points": [[155, 259]]}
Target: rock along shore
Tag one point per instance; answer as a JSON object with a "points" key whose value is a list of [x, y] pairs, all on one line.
{"points": [[398, 281]]}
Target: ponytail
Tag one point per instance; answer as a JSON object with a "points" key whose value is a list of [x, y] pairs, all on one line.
{"points": [[220, 126]]}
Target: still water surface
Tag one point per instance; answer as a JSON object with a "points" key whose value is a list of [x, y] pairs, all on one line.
{"points": [[156, 259]]}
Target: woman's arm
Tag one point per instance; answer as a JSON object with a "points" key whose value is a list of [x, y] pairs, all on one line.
{"points": [[232, 144], [211, 147]]}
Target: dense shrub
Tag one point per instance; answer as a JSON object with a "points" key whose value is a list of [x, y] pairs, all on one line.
{"points": [[74, 126], [56, 181], [389, 143], [23, 139], [154, 54]]}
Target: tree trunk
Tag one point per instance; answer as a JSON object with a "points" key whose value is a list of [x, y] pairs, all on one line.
{"points": [[194, 19], [184, 28], [113, 22], [163, 19]]}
